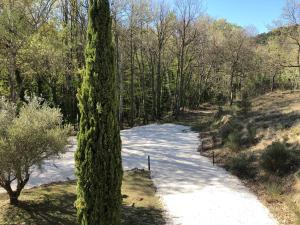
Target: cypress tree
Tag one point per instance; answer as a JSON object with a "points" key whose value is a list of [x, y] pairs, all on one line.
{"points": [[98, 157]]}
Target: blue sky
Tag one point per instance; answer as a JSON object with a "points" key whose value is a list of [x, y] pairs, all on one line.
{"points": [[259, 13]]}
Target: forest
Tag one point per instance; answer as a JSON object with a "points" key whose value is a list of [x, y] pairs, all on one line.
{"points": [[125, 112], [168, 58]]}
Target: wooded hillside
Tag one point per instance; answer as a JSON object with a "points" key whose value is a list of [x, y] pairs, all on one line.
{"points": [[168, 57]]}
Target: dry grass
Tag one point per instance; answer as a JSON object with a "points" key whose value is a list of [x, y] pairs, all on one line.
{"points": [[276, 117], [54, 204]]}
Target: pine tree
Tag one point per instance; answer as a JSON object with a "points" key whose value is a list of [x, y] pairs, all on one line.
{"points": [[98, 157]]}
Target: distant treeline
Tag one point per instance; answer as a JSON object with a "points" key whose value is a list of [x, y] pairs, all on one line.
{"points": [[167, 58]]}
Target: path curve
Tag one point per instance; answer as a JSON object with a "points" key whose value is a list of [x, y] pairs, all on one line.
{"points": [[193, 191]]}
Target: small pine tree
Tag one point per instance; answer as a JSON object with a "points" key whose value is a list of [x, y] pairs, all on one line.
{"points": [[98, 157], [245, 104]]}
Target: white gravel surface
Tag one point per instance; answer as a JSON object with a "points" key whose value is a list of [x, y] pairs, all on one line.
{"points": [[193, 191]]}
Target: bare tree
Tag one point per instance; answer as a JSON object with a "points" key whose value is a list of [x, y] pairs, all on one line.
{"points": [[188, 11]]}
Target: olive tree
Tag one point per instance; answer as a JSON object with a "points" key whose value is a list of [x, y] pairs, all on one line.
{"points": [[28, 136]]}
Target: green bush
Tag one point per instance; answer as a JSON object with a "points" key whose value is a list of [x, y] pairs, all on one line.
{"points": [[251, 134], [242, 166], [220, 99], [244, 104], [219, 113], [234, 141], [230, 126], [278, 159]]}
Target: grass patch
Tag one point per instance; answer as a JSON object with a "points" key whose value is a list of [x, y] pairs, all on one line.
{"points": [[275, 189], [54, 204]]}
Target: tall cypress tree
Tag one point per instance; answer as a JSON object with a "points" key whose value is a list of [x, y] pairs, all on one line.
{"points": [[98, 157]]}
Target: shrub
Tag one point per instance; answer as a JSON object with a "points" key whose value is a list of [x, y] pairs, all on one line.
{"points": [[219, 113], [250, 135], [220, 99], [277, 159], [27, 139], [245, 104], [242, 166], [230, 125], [274, 188], [234, 141]]}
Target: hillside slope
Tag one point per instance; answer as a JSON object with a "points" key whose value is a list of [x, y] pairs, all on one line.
{"points": [[274, 117]]}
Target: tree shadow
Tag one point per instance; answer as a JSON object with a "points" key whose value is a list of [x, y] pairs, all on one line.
{"points": [[51, 206], [51, 209], [142, 216]]}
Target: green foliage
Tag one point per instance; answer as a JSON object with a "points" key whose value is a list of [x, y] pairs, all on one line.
{"points": [[234, 141], [278, 159], [244, 104], [98, 157], [42, 52], [242, 165], [250, 134], [26, 140], [219, 113], [230, 125], [274, 188], [220, 99]]}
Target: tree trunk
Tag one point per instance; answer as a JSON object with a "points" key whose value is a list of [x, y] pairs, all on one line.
{"points": [[119, 73], [14, 198], [158, 85], [298, 60], [13, 195], [231, 97], [153, 87], [132, 108], [273, 83]]}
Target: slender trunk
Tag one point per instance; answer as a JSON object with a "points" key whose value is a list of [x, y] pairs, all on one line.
{"points": [[143, 86], [119, 74], [132, 111], [273, 83], [181, 80], [176, 108], [231, 89], [181, 71], [153, 88], [158, 85], [298, 60]]}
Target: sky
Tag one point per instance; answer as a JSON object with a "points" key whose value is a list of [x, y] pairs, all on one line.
{"points": [[258, 13]]}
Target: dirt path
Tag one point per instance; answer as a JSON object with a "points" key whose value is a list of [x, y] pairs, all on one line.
{"points": [[192, 190]]}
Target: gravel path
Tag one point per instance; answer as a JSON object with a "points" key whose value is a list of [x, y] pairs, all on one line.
{"points": [[193, 191]]}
